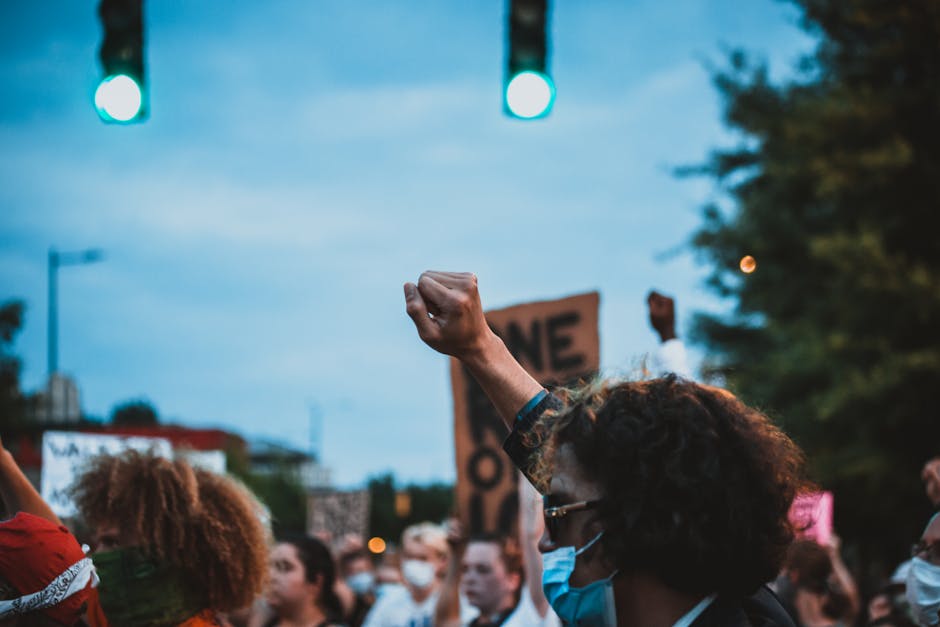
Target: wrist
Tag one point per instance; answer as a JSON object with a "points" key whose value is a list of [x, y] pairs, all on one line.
{"points": [[486, 351]]}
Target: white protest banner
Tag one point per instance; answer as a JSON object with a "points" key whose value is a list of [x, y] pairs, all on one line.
{"points": [[65, 453], [213, 461]]}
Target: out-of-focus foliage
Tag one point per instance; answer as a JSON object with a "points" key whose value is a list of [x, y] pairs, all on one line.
{"points": [[136, 413], [432, 503], [13, 405], [835, 190]]}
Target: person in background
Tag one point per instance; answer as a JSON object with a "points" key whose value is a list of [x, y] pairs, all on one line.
{"points": [[930, 475], [45, 577], [816, 586], [923, 575], [889, 608], [300, 590], [499, 576], [357, 569], [424, 555], [174, 545], [671, 356], [667, 500]]}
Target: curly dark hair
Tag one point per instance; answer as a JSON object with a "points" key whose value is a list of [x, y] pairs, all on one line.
{"points": [[696, 484], [207, 524]]}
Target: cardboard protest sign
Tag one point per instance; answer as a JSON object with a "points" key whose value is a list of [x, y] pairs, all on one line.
{"points": [[556, 342], [65, 454], [811, 515], [335, 514]]}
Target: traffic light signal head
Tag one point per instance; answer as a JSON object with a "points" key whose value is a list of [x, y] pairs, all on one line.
{"points": [[121, 96], [528, 91]]}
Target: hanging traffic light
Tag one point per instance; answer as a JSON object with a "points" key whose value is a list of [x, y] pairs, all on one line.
{"points": [[528, 90], [121, 97]]}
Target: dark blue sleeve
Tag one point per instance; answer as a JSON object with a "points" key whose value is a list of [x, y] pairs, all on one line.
{"points": [[523, 445]]}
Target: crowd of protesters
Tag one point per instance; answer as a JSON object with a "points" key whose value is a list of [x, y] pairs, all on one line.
{"points": [[649, 503]]}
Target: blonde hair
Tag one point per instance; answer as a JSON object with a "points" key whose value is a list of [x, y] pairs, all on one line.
{"points": [[427, 534]]}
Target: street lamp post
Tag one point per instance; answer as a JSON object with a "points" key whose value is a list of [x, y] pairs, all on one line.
{"points": [[56, 261]]}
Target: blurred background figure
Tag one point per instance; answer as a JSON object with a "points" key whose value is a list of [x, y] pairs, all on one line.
{"points": [[931, 478], [889, 608], [499, 577], [45, 577], [174, 545], [300, 588], [671, 355], [424, 555], [923, 575], [358, 571], [815, 586]]}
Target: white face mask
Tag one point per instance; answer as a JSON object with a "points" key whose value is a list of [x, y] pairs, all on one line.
{"points": [[419, 574], [361, 583], [923, 591]]}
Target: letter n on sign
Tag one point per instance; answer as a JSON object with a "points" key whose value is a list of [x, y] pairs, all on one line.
{"points": [[557, 342]]}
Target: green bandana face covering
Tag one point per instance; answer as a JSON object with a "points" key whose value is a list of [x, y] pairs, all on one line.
{"points": [[138, 591]]}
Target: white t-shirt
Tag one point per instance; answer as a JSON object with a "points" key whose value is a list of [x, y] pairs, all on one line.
{"points": [[526, 615], [396, 608]]}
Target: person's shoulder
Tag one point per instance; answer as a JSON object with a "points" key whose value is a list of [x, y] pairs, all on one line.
{"points": [[525, 614], [761, 609]]}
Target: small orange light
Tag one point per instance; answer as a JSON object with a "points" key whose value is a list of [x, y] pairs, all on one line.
{"points": [[748, 264], [376, 545]]}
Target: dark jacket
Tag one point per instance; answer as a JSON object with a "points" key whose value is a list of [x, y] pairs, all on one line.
{"points": [[762, 609]]}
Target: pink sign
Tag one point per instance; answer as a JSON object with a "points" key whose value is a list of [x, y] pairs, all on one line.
{"points": [[811, 515]]}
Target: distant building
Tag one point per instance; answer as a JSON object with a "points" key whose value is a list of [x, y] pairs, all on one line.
{"points": [[269, 458], [58, 403]]}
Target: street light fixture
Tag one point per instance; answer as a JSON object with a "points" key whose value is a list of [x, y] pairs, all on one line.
{"points": [[56, 261]]}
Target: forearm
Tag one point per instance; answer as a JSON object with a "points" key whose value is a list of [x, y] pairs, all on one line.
{"points": [[447, 612], [506, 383], [530, 529], [847, 585], [18, 493]]}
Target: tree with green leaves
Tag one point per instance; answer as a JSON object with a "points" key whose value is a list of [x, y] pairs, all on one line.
{"points": [[135, 413], [433, 502], [13, 405], [834, 190]]}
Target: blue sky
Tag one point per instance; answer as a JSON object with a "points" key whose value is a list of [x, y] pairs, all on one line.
{"points": [[304, 158]]}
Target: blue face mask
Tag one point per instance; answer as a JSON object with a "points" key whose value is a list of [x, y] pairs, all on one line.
{"points": [[590, 606]]}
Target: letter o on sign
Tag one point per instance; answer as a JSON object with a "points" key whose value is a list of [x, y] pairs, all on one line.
{"points": [[485, 468]]}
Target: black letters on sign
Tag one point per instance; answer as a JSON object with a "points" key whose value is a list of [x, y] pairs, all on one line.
{"points": [[558, 342]]}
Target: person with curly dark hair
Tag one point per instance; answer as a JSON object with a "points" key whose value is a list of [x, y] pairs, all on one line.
{"points": [[174, 545], [665, 501]]}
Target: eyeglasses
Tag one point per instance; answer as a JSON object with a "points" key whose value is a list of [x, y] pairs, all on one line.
{"points": [[554, 515], [931, 552]]}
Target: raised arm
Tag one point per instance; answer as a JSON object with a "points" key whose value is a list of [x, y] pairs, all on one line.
{"points": [[447, 611], [448, 314], [18, 493], [531, 525]]}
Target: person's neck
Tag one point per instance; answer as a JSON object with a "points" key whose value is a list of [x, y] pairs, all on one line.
{"points": [[644, 600], [491, 614], [303, 616], [420, 595]]}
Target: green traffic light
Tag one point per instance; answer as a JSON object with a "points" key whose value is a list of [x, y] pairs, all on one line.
{"points": [[530, 95], [118, 98]]}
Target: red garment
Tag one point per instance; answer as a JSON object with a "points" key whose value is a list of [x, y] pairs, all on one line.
{"points": [[33, 552]]}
